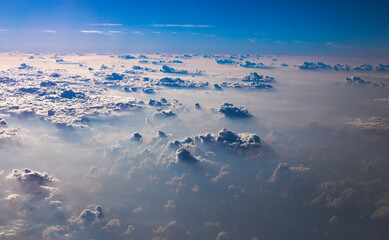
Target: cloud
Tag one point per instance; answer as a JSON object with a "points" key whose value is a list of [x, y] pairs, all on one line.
{"points": [[54, 232], [222, 172], [86, 217], [136, 137], [129, 229], [222, 236], [106, 24], [165, 114], [112, 225], [239, 143], [382, 212], [340, 67], [179, 83], [229, 110], [166, 69], [255, 77], [248, 64], [3, 30], [382, 67], [170, 205], [225, 61], [314, 66], [354, 80], [30, 178], [115, 32], [49, 31], [181, 25], [364, 67], [183, 155], [91, 32], [337, 45], [163, 228], [138, 209], [371, 123]]}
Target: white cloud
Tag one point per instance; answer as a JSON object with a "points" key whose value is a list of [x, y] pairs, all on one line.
{"points": [[49, 31], [91, 31], [181, 25], [106, 24]]}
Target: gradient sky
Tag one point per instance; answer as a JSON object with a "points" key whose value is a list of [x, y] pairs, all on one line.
{"points": [[269, 27]]}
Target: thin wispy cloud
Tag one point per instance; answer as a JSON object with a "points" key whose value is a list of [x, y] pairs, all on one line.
{"points": [[252, 40], [3, 30], [181, 25], [91, 31], [137, 32], [115, 32], [203, 35], [106, 24], [49, 31], [332, 44]]}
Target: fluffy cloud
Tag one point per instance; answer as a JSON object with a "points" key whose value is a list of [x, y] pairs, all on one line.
{"points": [[249, 64], [184, 155], [255, 77], [229, 110], [314, 66], [364, 67]]}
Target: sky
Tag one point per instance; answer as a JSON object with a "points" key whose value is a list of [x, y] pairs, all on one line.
{"points": [[358, 28]]}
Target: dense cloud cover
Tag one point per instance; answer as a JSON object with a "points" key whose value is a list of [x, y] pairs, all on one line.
{"points": [[304, 158]]}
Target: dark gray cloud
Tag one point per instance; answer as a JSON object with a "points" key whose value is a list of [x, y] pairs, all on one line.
{"points": [[255, 77], [382, 67], [340, 67], [249, 64], [183, 155], [314, 66], [225, 61], [364, 67]]}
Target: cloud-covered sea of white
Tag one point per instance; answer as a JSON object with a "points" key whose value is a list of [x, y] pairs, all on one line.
{"points": [[164, 146]]}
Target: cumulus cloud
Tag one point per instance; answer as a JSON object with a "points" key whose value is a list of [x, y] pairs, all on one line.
{"points": [[165, 114], [239, 143], [314, 66], [29, 177], [382, 67], [86, 217], [364, 67], [255, 77], [229, 110], [225, 61], [112, 225], [249, 64], [183, 155], [340, 67]]}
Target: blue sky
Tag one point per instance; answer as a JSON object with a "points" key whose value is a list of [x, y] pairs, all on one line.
{"points": [[269, 27]]}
